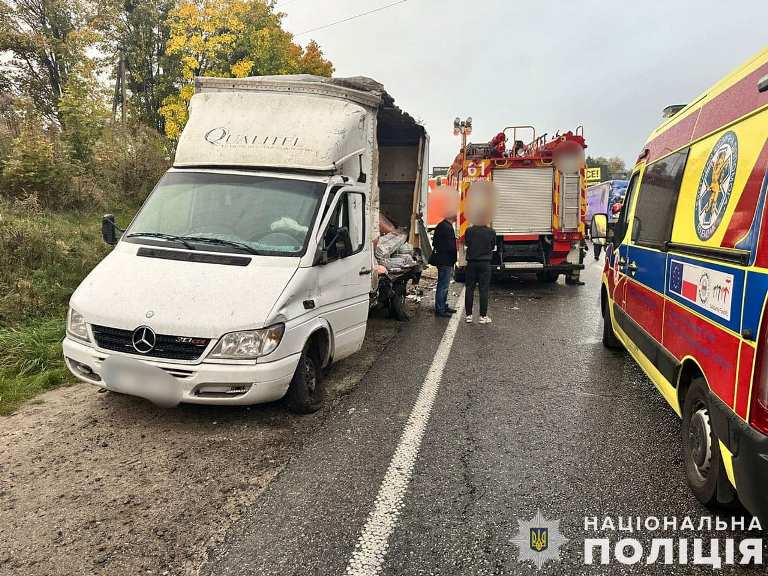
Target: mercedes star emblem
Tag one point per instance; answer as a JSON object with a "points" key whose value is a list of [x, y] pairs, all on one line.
{"points": [[144, 339]]}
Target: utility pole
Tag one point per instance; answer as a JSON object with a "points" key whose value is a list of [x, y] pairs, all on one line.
{"points": [[122, 88], [121, 94], [116, 96]]}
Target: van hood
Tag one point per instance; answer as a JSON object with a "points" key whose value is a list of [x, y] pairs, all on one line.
{"points": [[182, 298]]}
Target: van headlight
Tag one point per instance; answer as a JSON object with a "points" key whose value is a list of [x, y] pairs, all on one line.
{"points": [[248, 344], [76, 325]]}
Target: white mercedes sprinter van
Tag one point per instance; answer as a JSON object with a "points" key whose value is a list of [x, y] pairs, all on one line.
{"points": [[250, 266]]}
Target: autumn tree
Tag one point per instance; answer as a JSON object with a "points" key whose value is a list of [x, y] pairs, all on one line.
{"points": [[231, 38], [46, 40]]}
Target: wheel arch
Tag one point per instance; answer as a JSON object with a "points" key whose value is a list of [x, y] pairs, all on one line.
{"points": [[690, 369], [321, 335]]}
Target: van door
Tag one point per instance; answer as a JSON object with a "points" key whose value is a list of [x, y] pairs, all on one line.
{"points": [[616, 270], [646, 260], [344, 265]]}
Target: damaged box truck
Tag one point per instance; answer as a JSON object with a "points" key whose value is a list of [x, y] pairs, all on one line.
{"points": [[255, 260]]}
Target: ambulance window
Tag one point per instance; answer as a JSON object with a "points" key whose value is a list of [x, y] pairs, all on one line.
{"points": [[657, 200]]}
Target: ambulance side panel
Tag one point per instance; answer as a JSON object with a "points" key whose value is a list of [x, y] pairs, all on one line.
{"points": [[713, 300]]}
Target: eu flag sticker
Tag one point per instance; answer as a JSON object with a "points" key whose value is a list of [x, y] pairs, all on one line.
{"points": [[707, 288]]}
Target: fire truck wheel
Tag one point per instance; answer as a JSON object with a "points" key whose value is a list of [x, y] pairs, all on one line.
{"points": [[701, 450], [574, 279], [609, 336], [548, 277], [460, 275]]}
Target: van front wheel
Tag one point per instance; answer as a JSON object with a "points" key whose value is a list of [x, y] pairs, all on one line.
{"points": [[704, 468], [609, 336], [306, 391]]}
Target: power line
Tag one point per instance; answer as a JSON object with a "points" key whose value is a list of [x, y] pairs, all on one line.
{"points": [[379, 9]]}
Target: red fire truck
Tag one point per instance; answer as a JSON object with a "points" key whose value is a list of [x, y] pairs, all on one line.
{"points": [[540, 201]]}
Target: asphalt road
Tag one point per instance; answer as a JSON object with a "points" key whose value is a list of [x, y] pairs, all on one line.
{"points": [[532, 413]]}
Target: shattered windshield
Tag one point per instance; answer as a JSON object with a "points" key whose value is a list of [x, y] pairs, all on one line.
{"points": [[229, 213]]}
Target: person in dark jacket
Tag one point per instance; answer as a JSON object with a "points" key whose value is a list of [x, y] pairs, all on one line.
{"points": [[479, 242], [444, 257]]}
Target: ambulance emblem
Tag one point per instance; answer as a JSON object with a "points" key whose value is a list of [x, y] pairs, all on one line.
{"points": [[539, 540], [716, 186]]}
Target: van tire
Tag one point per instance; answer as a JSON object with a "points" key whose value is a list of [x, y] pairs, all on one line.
{"points": [[702, 460], [307, 391], [609, 336]]}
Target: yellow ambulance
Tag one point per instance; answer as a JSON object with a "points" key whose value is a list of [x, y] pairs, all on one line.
{"points": [[685, 282]]}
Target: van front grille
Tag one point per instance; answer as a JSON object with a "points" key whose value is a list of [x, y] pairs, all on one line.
{"points": [[170, 347]]}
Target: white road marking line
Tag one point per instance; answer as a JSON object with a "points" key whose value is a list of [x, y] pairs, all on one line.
{"points": [[372, 545]]}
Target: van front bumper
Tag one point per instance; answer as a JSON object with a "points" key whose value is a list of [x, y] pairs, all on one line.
{"points": [[750, 456], [204, 383]]}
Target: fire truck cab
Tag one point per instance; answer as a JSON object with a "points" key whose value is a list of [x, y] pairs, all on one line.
{"points": [[540, 201]]}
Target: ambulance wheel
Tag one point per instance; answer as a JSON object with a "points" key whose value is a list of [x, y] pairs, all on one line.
{"points": [[306, 391], [460, 275], [609, 336], [704, 468]]}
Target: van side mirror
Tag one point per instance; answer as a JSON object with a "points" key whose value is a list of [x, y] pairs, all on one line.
{"points": [[109, 230], [343, 243], [336, 244], [762, 85]]}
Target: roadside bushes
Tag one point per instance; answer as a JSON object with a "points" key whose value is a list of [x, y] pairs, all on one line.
{"points": [[42, 168], [130, 161], [36, 170]]}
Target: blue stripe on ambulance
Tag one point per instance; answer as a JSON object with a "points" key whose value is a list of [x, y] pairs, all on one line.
{"points": [[757, 287], [651, 265]]}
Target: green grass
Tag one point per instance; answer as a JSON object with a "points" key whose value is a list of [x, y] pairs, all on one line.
{"points": [[43, 258], [30, 361]]}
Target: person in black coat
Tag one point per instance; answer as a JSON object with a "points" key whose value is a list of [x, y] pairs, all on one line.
{"points": [[444, 257]]}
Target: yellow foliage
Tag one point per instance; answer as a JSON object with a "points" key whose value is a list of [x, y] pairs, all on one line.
{"points": [[242, 69], [231, 38]]}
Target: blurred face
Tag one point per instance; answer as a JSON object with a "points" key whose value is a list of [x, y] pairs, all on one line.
{"points": [[446, 201], [481, 202]]}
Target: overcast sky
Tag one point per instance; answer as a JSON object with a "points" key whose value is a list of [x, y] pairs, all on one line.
{"points": [[611, 65]]}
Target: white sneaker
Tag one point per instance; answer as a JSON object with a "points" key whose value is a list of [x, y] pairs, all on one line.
{"points": [[469, 319], [485, 320]]}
